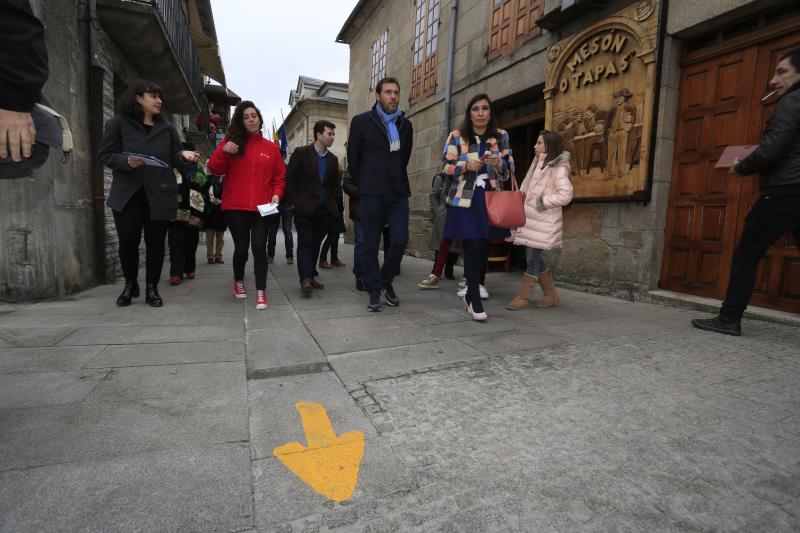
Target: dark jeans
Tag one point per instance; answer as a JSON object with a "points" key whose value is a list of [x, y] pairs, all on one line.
{"points": [[130, 223], [358, 250], [768, 219], [331, 243], [249, 229], [284, 219], [475, 253], [375, 212], [310, 232], [182, 239]]}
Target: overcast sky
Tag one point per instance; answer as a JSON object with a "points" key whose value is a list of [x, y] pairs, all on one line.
{"points": [[267, 44]]}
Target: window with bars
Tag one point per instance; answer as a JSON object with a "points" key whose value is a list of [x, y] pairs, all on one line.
{"points": [[512, 23], [378, 54], [426, 46]]}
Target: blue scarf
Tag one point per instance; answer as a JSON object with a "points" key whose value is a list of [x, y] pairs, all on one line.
{"points": [[391, 127]]}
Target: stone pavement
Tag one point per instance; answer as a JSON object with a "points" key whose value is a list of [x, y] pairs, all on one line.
{"points": [[596, 415]]}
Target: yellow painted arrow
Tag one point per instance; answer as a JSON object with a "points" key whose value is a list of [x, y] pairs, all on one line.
{"points": [[329, 464]]}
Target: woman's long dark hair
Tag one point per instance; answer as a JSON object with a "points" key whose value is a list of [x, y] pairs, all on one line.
{"points": [[553, 144], [132, 109], [236, 131], [466, 125]]}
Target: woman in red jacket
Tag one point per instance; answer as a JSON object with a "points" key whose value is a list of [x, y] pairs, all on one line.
{"points": [[254, 175]]}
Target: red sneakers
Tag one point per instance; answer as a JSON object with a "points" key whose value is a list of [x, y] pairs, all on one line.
{"points": [[175, 280], [190, 275], [261, 300], [239, 290]]}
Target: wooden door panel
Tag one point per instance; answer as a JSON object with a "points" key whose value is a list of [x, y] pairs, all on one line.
{"points": [[790, 282], [722, 129], [707, 268], [719, 105], [703, 201], [712, 224]]}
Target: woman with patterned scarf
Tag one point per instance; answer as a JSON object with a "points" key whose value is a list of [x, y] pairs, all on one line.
{"points": [[477, 158]]}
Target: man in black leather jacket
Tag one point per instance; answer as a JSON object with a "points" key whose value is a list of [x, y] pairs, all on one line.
{"points": [[777, 210]]}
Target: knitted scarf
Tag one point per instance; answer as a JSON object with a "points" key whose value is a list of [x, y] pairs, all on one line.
{"points": [[391, 127]]}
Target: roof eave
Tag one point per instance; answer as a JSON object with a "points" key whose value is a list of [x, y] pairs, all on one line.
{"points": [[342, 38]]}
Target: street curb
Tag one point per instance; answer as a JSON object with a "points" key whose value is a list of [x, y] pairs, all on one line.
{"points": [[710, 305]]}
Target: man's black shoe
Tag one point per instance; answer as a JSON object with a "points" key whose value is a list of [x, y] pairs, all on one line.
{"points": [[374, 304], [360, 285], [306, 287], [390, 297], [718, 325]]}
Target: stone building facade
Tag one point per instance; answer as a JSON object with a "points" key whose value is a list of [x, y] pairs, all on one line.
{"points": [[677, 226], [58, 236], [314, 100]]}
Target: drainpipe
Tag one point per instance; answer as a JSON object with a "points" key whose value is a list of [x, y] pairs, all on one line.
{"points": [[448, 90], [96, 74]]}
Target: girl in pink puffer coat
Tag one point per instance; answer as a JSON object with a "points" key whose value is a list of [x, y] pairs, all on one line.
{"points": [[547, 189]]}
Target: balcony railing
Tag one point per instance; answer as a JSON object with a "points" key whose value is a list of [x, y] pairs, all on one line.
{"points": [[177, 27], [155, 36]]}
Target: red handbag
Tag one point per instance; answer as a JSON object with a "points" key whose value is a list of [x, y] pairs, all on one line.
{"points": [[506, 209]]}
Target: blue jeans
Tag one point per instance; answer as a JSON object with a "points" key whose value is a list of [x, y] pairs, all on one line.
{"points": [[375, 212], [358, 250], [284, 218]]}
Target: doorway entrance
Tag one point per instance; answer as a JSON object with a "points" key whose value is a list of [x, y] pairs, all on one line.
{"points": [[719, 105]]}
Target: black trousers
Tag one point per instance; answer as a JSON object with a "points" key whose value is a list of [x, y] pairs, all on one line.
{"points": [[311, 230], [475, 253], [768, 219], [131, 222], [331, 243], [249, 230], [182, 239]]}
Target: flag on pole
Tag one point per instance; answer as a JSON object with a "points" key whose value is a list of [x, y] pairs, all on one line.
{"points": [[274, 132]]}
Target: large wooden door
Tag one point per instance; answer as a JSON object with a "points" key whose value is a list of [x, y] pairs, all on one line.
{"points": [[719, 105]]}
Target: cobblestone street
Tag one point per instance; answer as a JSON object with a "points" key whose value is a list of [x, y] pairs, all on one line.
{"points": [[595, 415]]}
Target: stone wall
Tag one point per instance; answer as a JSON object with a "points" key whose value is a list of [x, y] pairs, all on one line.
{"points": [[46, 221]]}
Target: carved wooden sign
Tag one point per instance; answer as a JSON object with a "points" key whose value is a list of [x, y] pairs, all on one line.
{"points": [[600, 97]]}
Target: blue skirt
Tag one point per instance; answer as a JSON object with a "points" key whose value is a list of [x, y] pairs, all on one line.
{"points": [[471, 222]]}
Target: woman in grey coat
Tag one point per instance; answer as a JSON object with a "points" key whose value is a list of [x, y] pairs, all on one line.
{"points": [[446, 255], [142, 149]]}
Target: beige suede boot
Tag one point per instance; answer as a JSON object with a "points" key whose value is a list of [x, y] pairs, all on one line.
{"points": [[520, 301], [548, 284]]}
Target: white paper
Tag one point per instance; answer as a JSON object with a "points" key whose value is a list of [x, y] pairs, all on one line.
{"points": [[268, 209]]}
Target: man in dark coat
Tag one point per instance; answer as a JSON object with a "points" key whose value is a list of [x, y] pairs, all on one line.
{"points": [[313, 183], [378, 149], [777, 210], [23, 73]]}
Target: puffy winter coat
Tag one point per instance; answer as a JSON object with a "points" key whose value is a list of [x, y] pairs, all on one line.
{"points": [[252, 178], [543, 229]]}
